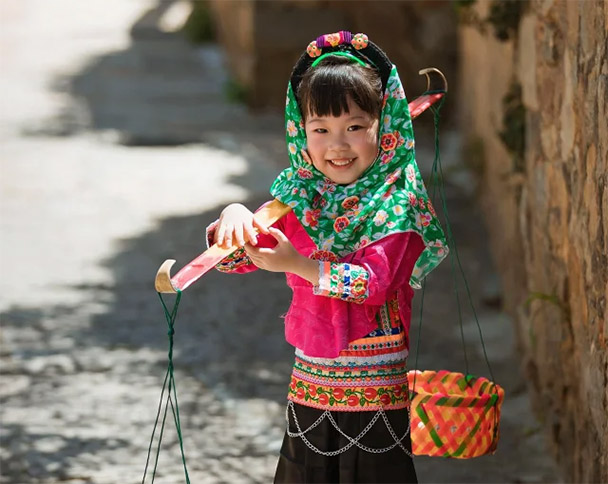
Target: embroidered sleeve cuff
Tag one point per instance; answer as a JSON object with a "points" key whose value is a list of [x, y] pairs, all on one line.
{"points": [[234, 261], [348, 282]]}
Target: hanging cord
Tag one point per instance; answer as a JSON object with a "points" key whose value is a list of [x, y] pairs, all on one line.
{"points": [[437, 181], [169, 386]]}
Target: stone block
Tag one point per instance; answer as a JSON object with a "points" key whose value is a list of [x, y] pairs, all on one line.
{"points": [[526, 65]]}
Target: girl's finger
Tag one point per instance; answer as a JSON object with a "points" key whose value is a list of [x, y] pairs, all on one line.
{"points": [[260, 226], [219, 237], [228, 237], [238, 235], [251, 234], [277, 234]]}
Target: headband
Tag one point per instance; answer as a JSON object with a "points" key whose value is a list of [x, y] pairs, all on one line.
{"points": [[357, 47], [341, 54]]}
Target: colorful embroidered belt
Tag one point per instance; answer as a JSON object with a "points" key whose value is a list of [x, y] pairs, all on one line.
{"points": [[370, 374]]}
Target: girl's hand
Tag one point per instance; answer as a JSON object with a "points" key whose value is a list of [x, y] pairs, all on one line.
{"points": [[237, 225], [283, 258]]}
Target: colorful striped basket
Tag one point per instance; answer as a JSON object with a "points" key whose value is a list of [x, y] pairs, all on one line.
{"points": [[453, 415]]}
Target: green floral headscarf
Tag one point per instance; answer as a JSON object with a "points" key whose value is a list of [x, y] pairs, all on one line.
{"points": [[389, 197]]}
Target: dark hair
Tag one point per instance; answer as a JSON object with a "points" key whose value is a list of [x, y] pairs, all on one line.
{"points": [[325, 88]]}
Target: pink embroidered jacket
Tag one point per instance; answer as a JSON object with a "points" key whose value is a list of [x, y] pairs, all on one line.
{"points": [[351, 331], [322, 320]]}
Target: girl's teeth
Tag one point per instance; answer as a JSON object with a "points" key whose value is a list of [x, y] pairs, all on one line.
{"points": [[342, 163]]}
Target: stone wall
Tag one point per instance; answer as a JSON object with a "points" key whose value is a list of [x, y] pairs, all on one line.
{"points": [[535, 114], [265, 38]]}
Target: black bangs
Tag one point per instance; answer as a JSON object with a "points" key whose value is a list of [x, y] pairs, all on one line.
{"points": [[325, 88]]}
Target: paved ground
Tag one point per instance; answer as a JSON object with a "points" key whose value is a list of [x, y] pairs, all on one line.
{"points": [[117, 149]]}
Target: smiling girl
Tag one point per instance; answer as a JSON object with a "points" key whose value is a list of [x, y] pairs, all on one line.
{"points": [[361, 234]]}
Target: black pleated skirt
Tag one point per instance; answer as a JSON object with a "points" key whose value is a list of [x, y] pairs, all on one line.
{"points": [[300, 464]]}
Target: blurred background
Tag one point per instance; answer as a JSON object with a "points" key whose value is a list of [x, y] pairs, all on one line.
{"points": [[127, 125]]}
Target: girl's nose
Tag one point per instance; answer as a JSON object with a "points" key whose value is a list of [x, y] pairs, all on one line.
{"points": [[338, 142]]}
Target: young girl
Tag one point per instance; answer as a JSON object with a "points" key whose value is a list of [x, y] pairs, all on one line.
{"points": [[360, 235]]}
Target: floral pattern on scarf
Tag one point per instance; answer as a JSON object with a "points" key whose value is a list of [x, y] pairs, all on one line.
{"points": [[388, 198]]}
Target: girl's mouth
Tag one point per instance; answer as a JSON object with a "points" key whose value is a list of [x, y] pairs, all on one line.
{"points": [[341, 162]]}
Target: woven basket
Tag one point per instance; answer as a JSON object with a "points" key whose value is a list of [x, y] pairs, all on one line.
{"points": [[453, 415]]}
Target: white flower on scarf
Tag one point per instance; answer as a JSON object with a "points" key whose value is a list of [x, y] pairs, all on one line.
{"points": [[380, 217], [328, 243], [399, 93], [291, 128], [387, 122]]}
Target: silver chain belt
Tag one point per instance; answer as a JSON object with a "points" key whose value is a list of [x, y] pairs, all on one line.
{"points": [[351, 441]]}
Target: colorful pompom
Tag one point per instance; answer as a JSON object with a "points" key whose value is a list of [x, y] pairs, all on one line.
{"points": [[360, 41], [312, 50]]}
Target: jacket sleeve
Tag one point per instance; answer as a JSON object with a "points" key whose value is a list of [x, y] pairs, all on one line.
{"points": [[372, 272]]}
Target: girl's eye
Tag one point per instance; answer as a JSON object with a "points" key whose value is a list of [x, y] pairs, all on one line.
{"points": [[355, 127], [320, 130]]}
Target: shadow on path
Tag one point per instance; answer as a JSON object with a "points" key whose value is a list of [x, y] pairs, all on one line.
{"points": [[229, 343]]}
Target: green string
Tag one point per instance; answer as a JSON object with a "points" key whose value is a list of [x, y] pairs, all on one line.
{"points": [[169, 386], [437, 181]]}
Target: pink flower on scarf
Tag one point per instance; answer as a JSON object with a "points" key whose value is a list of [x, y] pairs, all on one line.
{"points": [[311, 217], [425, 219], [386, 157], [328, 186], [363, 241], [341, 223], [410, 173], [350, 202], [393, 177], [304, 173], [388, 141], [389, 192]]}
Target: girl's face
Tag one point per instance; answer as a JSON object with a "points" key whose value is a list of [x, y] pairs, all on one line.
{"points": [[342, 147]]}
